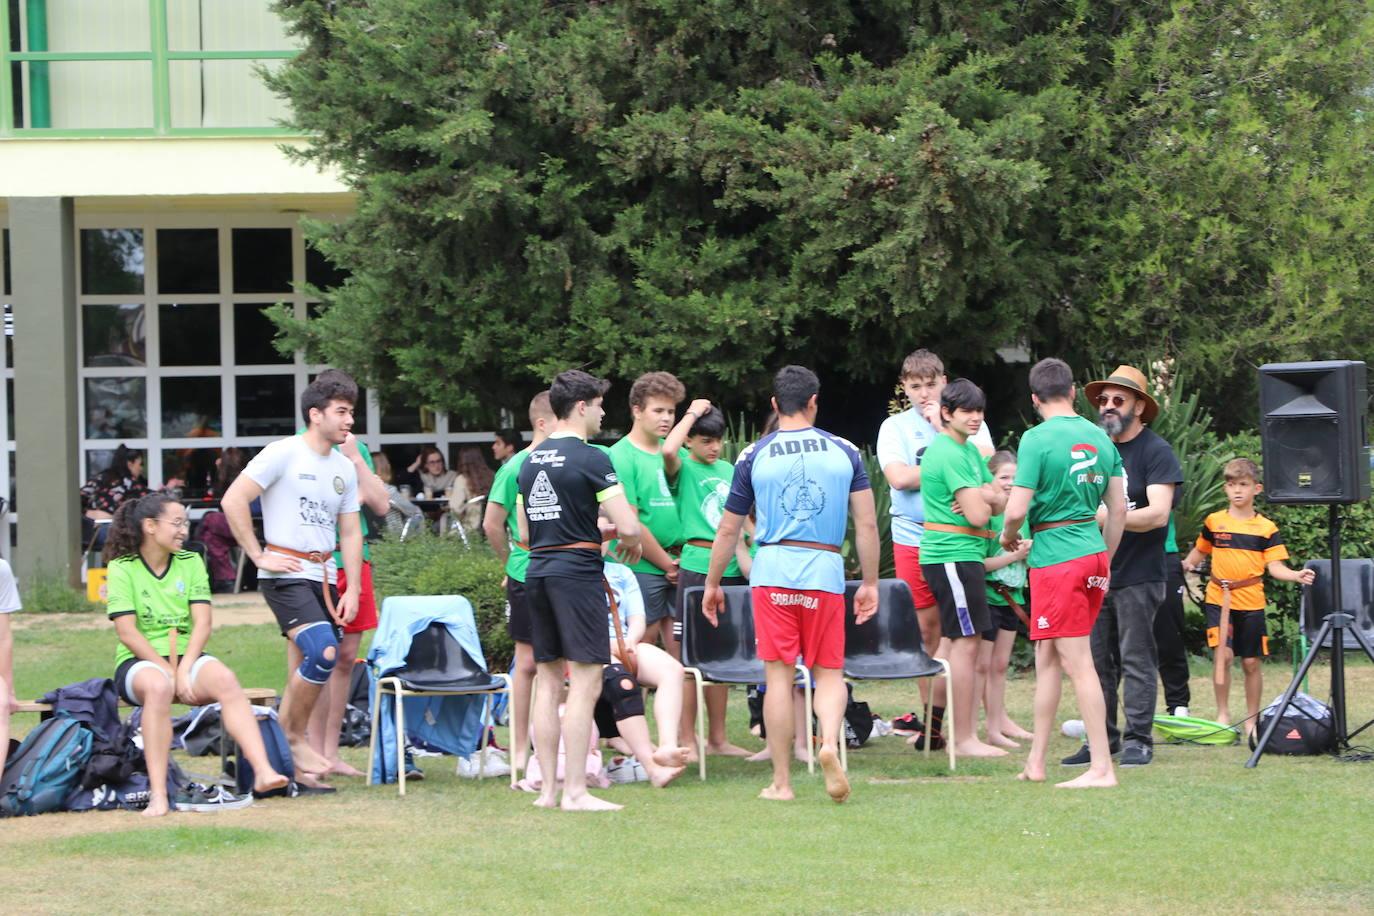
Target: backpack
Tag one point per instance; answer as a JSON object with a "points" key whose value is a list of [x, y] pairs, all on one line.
{"points": [[858, 721], [46, 768], [1307, 727], [278, 754]]}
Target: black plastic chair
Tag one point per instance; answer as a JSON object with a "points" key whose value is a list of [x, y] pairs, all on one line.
{"points": [[436, 665], [888, 646], [1357, 597]]}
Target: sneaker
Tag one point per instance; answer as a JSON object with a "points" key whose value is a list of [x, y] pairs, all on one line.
{"points": [[1083, 757], [626, 769], [468, 766], [1137, 755], [197, 797], [1074, 728], [1180, 711], [908, 725]]}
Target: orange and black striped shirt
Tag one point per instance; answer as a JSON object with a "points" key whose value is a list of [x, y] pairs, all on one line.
{"points": [[1241, 548]]}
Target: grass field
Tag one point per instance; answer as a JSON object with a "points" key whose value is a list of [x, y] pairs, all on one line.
{"points": [[1194, 831]]}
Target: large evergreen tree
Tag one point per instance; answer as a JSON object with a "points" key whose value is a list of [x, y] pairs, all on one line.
{"points": [[717, 186]]}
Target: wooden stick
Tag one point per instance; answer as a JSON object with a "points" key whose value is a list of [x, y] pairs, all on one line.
{"points": [[1222, 662], [172, 647]]}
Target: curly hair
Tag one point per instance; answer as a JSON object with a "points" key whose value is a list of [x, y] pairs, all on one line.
{"points": [[656, 385], [126, 531]]}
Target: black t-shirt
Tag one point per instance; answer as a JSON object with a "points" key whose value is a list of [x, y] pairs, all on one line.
{"points": [[1145, 460], [561, 485]]}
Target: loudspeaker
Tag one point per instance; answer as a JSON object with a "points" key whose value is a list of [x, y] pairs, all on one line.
{"points": [[1313, 422]]}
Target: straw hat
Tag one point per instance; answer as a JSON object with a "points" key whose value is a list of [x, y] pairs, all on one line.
{"points": [[1132, 379]]}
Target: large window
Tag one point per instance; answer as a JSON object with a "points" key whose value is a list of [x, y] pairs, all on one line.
{"points": [[139, 67], [177, 356]]}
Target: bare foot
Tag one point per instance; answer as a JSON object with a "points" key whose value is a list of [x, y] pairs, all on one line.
{"points": [[157, 807], [691, 752], [1090, 780], [310, 780], [1031, 774], [975, 748], [763, 756], [588, 802], [1012, 730], [777, 793], [266, 782], [306, 758], [836, 783], [727, 750], [546, 801], [661, 776], [340, 768], [672, 757], [997, 740]]}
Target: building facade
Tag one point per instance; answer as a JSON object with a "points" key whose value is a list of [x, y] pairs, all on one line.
{"points": [[149, 215]]}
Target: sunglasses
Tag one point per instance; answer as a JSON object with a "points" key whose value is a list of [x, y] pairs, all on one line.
{"points": [[1115, 400]]}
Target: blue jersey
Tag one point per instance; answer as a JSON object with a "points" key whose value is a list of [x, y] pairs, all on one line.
{"points": [[903, 439], [798, 481]]}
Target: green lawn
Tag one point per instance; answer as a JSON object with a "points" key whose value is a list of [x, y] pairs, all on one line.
{"points": [[1193, 831]]}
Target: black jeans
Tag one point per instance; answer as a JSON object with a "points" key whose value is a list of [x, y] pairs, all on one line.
{"points": [[1169, 629], [1123, 645]]}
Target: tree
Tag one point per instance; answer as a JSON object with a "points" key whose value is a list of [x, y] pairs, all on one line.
{"points": [[719, 187]]}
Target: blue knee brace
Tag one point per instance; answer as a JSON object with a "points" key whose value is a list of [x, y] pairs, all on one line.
{"points": [[320, 647]]}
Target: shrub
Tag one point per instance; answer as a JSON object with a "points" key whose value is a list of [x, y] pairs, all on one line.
{"points": [[429, 565], [48, 593]]}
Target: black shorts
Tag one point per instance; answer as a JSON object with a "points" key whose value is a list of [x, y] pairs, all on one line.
{"points": [[960, 591], [1003, 618], [569, 619], [1249, 637], [607, 714], [518, 611], [687, 579], [297, 602], [123, 681]]}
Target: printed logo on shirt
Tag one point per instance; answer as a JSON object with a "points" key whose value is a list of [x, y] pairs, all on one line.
{"points": [[338, 485], [305, 476], [181, 587], [1085, 457], [551, 457], [315, 513], [713, 503], [543, 502], [802, 498], [1042, 622], [791, 599]]}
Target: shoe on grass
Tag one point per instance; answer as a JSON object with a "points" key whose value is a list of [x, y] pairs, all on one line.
{"points": [[468, 766], [1074, 728], [197, 797], [1083, 756], [1137, 755], [1180, 711], [908, 725]]}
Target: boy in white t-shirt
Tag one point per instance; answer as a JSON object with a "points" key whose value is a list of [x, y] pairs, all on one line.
{"points": [[902, 440], [307, 489]]}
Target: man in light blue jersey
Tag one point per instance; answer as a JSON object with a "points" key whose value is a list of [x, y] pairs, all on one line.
{"points": [[802, 483]]}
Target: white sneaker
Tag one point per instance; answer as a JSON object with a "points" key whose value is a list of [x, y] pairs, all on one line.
{"points": [[626, 769], [1180, 711], [1073, 728], [468, 766]]}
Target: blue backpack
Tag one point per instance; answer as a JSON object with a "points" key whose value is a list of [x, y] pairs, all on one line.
{"points": [[278, 754], [46, 768]]}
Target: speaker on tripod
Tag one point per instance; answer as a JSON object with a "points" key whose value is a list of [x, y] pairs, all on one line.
{"points": [[1313, 420]]}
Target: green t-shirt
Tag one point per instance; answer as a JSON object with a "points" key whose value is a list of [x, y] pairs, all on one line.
{"points": [[505, 487], [946, 468], [646, 488], [1067, 461], [160, 602], [700, 490], [1014, 571]]}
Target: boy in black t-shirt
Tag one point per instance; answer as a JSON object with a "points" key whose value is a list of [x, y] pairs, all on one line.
{"points": [[564, 484]]}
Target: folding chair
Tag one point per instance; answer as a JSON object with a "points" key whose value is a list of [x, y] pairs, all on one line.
{"points": [[889, 647], [725, 654], [1357, 598], [436, 665]]}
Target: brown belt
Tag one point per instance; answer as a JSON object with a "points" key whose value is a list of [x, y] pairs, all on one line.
{"points": [[701, 542], [1063, 523], [575, 545], [521, 544], [1016, 608], [1229, 585], [1220, 663], [960, 529], [314, 556], [631, 666], [809, 545]]}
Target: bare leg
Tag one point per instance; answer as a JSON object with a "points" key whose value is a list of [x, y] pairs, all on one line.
{"points": [[297, 704], [8, 699], [799, 749], [4, 725], [777, 716], [1223, 690], [521, 682], [659, 669], [717, 741], [830, 699], [962, 655], [335, 701], [217, 683], [547, 730], [635, 732], [928, 618], [583, 691], [1001, 660], [991, 699], [154, 689], [1048, 684], [1254, 687], [1075, 654]]}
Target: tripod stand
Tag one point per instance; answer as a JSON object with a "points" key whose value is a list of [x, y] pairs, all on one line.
{"points": [[1336, 624]]}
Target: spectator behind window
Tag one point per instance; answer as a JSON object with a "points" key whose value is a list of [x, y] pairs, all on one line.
{"points": [[473, 480], [103, 494], [401, 508], [434, 474]]}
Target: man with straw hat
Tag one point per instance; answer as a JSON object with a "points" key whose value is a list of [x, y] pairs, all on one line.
{"points": [[1123, 642]]}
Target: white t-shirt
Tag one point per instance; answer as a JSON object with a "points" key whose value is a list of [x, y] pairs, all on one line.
{"points": [[304, 492], [9, 590], [903, 438]]}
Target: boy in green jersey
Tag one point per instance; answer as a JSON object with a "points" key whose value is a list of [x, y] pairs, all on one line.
{"points": [[503, 533], [960, 499], [700, 482], [1065, 468], [638, 463], [1006, 594]]}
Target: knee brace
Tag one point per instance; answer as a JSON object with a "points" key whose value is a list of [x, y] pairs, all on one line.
{"points": [[320, 647], [621, 690]]}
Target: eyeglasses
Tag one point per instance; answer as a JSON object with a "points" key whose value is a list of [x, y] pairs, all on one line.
{"points": [[1115, 400], [177, 522], [439, 461]]}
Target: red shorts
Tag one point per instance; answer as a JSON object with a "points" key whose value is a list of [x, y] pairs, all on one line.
{"points": [[907, 560], [1066, 597], [367, 602], [789, 622]]}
